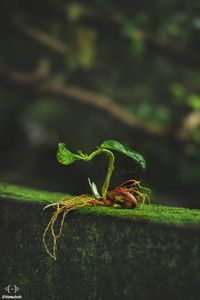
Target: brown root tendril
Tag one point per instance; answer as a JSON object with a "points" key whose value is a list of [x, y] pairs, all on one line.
{"points": [[127, 195]]}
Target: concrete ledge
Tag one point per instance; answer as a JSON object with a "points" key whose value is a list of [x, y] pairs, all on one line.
{"points": [[104, 253]]}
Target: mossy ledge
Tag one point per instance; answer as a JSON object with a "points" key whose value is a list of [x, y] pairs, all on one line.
{"points": [[104, 253]]}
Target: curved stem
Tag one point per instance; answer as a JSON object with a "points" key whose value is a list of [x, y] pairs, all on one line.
{"points": [[110, 167], [109, 174]]}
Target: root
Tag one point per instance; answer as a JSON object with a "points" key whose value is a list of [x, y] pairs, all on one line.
{"points": [[141, 197], [134, 187], [130, 188], [64, 206]]}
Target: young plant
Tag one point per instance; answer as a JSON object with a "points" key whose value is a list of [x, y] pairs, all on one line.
{"points": [[127, 195]]}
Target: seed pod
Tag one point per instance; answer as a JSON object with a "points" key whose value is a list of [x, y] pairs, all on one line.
{"points": [[122, 197]]}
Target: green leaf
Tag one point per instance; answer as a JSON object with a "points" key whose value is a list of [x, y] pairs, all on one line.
{"points": [[64, 156], [114, 145]]}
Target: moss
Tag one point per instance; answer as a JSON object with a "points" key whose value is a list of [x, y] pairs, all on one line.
{"points": [[149, 213], [103, 253], [25, 194], [152, 213]]}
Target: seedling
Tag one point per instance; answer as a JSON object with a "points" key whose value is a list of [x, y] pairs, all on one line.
{"points": [[127, 195]]}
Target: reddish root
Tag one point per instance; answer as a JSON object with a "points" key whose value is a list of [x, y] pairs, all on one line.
{"points": [[130, 183]]}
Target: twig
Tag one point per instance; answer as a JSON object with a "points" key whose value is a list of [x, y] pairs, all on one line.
{"points": [[101, 102], [38, 75], [117, 111], [43, 38]]}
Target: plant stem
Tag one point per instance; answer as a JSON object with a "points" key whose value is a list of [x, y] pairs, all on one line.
{"points": [[110, 167], [109, 173]]}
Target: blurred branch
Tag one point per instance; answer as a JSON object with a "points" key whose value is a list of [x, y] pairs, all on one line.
{"points": [[41, 81], [100, 102], [38, 75], [190, 123], [166, 48], [43, 38]]}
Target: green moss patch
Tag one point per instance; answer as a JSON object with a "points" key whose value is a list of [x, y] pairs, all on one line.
{"points": [[104, 253], [25, 194], [149, 213]]}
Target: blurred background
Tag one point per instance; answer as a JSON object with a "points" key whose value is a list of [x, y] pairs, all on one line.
{"points": [[81, 72]]}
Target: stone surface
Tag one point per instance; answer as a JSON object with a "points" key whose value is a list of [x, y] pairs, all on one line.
{"points": [[104, 253]]}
